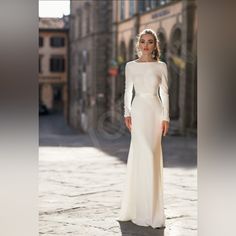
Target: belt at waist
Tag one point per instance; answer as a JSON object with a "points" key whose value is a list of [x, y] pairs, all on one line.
{"points": [[146, 94]]}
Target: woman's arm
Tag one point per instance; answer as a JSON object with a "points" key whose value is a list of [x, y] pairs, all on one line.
{"points": [[128, 91], [164, 92]]}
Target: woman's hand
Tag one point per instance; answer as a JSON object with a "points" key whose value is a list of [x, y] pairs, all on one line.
{"points": [[165, 127], [128, 122]]}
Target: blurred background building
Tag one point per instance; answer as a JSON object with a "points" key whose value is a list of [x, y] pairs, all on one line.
{"points": [[102, 40], [82, 59], [90, 53], [53, 64], [175, 23]]}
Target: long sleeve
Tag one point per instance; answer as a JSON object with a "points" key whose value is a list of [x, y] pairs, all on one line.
{"points": [[128, 91], [164, 94]]}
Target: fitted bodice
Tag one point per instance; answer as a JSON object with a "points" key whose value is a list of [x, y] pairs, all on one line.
{"points": [[146, 78]]}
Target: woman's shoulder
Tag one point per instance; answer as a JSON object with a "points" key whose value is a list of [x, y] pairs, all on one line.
{"points": [[162, 63], [130, 62]]}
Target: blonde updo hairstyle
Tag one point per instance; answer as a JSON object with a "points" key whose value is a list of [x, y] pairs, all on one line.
{"points": [[156, 52]]}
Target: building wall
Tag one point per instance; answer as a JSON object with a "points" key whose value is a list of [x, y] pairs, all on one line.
{"points": [[47, 51], [51, 83], [175, 24], [94, 92], [90, 49]]}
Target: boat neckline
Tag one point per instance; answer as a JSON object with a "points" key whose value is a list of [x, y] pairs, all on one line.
{"points": [[147, 62]]}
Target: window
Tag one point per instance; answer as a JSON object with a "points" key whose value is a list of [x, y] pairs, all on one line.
{"points": [[150, 4], [57, 64], [57, 41], [154, 3], [147, 5], [163, 2], [122, 10], [131, 7], [141, 5], [40, 41], [80, 24], [88, 19], [40, 64], [74, 27]]}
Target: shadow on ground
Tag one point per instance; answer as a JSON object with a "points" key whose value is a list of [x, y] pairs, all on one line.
{"points": [[178, 151], [128, 228]]}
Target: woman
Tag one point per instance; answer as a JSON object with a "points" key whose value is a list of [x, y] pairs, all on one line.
{"points": [[147, 119]]}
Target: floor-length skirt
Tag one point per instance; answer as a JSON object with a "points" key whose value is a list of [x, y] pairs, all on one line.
{"points": [[142, 200]]}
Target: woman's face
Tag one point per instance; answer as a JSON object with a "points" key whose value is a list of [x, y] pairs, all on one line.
{"points": [[147, 44]]}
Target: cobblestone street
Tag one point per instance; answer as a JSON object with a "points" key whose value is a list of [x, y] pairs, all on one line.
{"points": [[81, 179]]}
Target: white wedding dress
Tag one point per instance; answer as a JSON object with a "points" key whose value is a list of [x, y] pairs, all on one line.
{"points": [[142, 201]]}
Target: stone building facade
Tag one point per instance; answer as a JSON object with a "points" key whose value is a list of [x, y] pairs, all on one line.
{"points": [[175, 23], [103, 35], [53, 64], [90, 52]]}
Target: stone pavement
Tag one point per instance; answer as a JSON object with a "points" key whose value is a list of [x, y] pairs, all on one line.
{"points": [[81, 181]]}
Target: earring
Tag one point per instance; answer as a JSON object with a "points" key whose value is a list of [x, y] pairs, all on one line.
{"points": [[153, 53]]}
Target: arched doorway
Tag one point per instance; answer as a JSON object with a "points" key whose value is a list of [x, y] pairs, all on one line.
{"points": [[122, 51], [120, 79], [163, 46], [174, 70], [131, 49], [58, 98]]}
